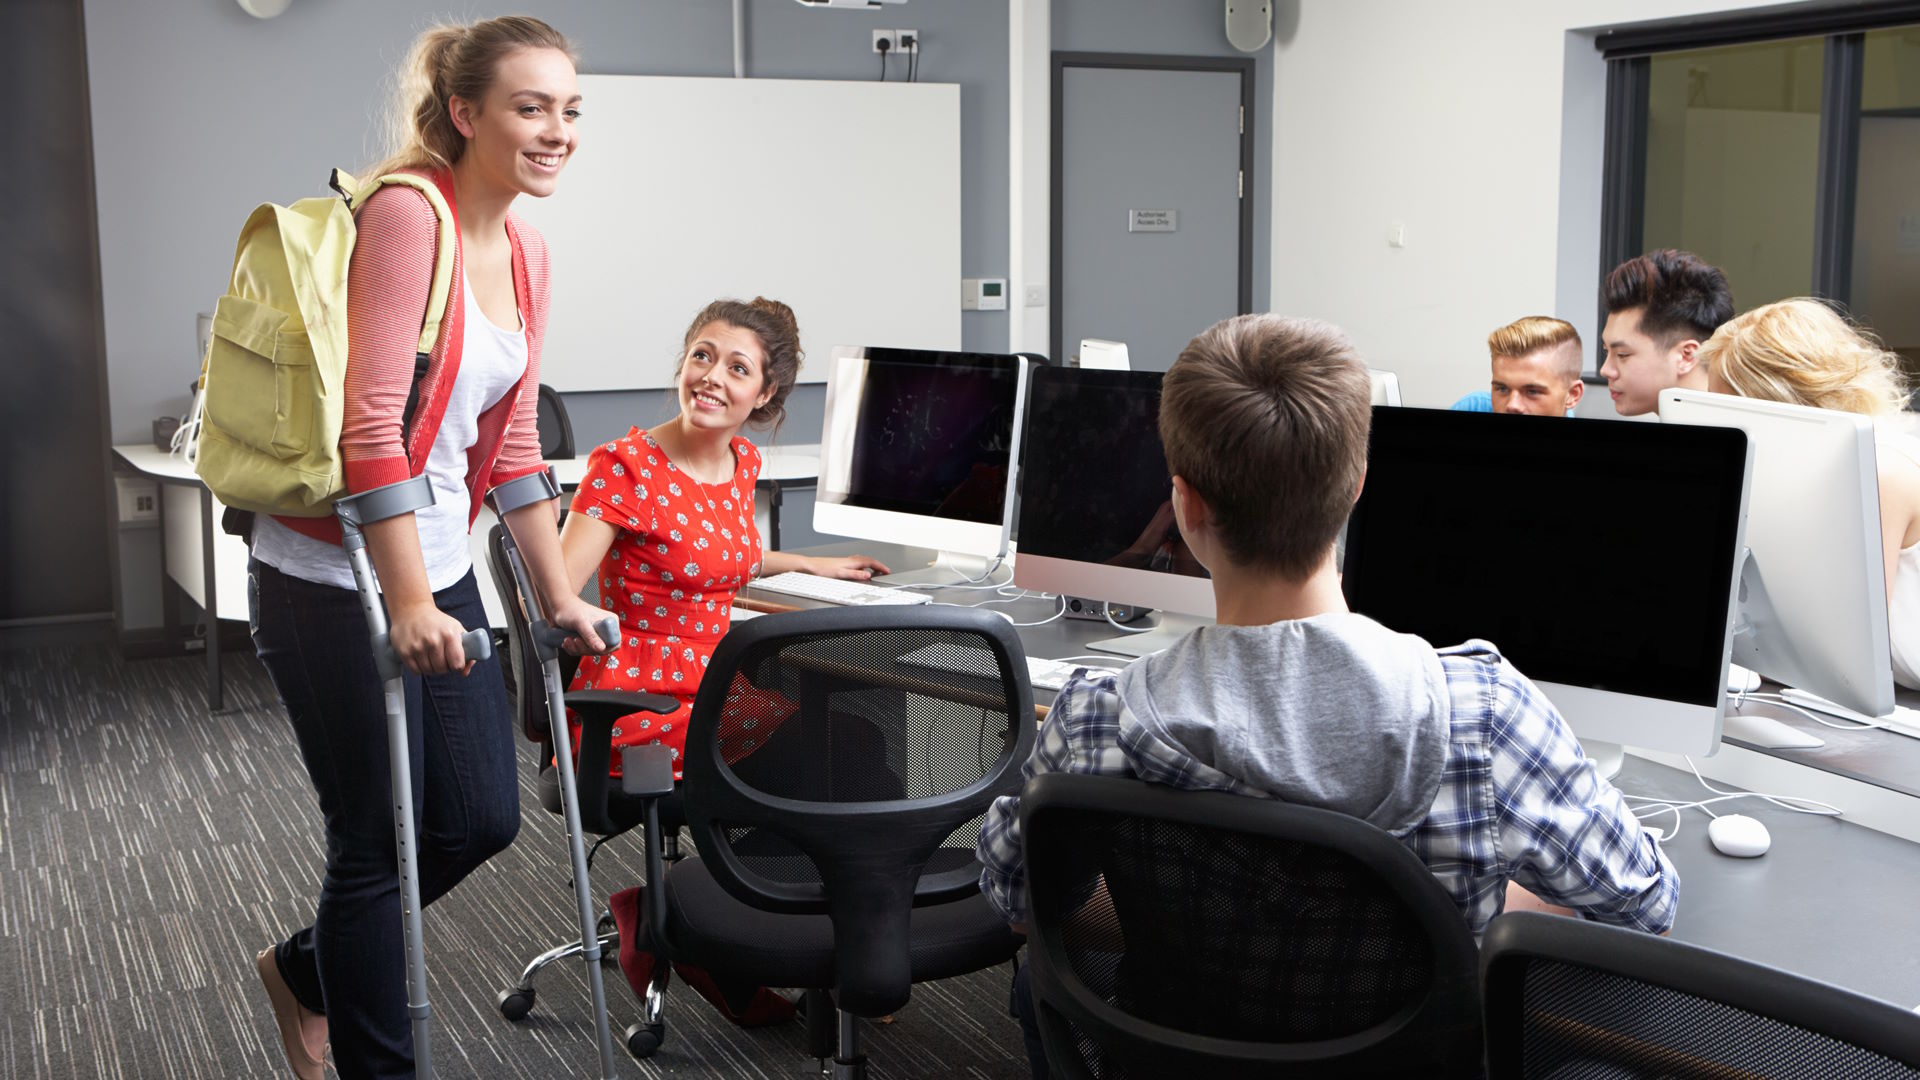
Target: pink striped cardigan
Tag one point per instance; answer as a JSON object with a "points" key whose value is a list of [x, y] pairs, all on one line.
{"points": [[387, 285]]}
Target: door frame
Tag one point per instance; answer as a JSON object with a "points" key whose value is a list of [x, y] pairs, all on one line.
{"points": [[1243, 66]]}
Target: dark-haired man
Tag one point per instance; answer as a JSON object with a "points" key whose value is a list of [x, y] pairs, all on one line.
{"points": [[1661, 307]]}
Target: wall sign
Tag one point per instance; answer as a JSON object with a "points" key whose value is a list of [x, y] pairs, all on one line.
{"points": [[1153, 221]]}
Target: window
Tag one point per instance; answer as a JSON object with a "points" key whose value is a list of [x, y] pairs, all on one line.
{"points": [[1783, 148]]}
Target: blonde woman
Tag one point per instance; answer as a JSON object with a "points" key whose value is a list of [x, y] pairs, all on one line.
{"points": [[1800, 351], [487, 111]]}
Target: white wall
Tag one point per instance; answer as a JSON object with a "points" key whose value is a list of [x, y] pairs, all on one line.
{"points": [[1477, 126]]}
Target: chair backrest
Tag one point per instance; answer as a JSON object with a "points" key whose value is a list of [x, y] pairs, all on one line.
{"points": [[1222, 935], [839, 761], [556, 431], [526, 684], [1583, 1001]]}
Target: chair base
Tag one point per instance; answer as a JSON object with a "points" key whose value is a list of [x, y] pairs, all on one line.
{"points": [[518, 1000], [645, 1037]]}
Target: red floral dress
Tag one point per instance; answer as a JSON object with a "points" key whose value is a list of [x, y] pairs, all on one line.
{"points": [[681, 550]]}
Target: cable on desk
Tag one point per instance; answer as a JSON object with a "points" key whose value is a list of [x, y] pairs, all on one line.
{"points": [[1656, 806], [1051, 618], [1107, 611], [1839, 723]]}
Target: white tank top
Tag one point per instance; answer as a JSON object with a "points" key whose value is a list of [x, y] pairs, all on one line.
{"points": [[1903, 595], [492, 361]]}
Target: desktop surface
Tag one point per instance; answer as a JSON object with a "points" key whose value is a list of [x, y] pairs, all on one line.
{"points": [[1831, 900]]}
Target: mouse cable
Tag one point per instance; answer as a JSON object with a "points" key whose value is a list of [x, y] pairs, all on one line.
{"points": [[1656, 806]]}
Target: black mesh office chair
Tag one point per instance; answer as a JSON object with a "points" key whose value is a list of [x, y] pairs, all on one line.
{"points": [[1206, 934], [838, 762], [1576, 1000], [556, 431], [605, 810]]}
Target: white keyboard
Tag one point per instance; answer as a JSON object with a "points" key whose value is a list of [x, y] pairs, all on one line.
{"points": [[836, 591], [976, 661], [1902, 720]]}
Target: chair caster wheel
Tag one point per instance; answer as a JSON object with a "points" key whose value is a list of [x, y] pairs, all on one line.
{"points": [[644, 1039], [515, 1003]]}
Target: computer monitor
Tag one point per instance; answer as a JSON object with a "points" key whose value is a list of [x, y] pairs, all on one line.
{"points": [[1096, 513], [1386, 387], [917, 447], [1104, 355], [1474, 525], [1813, 611]]}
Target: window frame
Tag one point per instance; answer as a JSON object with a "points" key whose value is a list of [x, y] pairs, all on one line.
{"points": [[1628, 52]]}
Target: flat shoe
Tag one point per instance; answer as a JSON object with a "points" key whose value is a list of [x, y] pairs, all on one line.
{"points": [[293, 1018]]}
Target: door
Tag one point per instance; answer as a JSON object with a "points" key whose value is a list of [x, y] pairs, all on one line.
{"points": [[1152, 233]]}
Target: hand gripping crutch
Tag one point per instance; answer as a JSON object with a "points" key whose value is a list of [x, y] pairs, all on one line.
{"points": [[546, 647], [354, 511]]}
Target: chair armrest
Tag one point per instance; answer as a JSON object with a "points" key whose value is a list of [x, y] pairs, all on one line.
{"points": [[647, 771], [623, 701], [598, 710]]}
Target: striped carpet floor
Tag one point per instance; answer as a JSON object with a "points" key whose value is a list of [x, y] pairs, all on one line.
{"points": [[148, 849]]}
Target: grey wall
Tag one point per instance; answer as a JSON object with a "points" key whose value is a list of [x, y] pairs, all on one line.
{"points": [[54, 541]]}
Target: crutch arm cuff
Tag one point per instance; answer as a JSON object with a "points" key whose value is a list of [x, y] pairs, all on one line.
{"points": [[523, 491]]}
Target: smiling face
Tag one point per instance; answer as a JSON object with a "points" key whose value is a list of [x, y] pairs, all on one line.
{"points": [[523, 132], [723, 377]]}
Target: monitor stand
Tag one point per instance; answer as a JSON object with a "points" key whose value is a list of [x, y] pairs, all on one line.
{"points": [[1768, 733], [1143, 644], [947, 568]]}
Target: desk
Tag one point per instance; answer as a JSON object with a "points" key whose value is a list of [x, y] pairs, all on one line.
{"points": [[208, 565], [1832, 900]]}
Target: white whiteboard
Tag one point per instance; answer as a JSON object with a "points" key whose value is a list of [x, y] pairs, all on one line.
{"points": [[841, 199]]}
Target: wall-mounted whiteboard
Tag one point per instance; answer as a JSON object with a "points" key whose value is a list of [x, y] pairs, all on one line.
{"points": [[840, 198]]}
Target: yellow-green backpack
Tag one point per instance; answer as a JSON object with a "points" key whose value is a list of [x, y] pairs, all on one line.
{"points": [[272, 382]]}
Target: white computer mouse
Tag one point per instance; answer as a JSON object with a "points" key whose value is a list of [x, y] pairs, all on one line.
{"points": [[1738, 835]]}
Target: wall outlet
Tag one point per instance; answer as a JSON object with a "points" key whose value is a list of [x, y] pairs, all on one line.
{"points": [[891, 37], [907, 41], [139, 500]]}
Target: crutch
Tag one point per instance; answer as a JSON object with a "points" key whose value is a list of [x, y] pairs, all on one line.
{"points": [[546, 648], [354, 511]]}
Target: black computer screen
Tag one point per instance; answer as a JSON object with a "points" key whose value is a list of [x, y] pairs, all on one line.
{"points": [[933, 434], [1592, 553], [1093, 478]]}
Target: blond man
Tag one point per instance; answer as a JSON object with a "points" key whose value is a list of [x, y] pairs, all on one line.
{"points": [[1536, 367], [1291, 696]]}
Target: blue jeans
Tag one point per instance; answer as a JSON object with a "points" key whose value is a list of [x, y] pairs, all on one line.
{"points": [[350, 962]]}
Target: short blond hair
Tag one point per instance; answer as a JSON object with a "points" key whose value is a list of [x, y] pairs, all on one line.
{"points": [[1534, 333], [1266, 417], [1802, 351]]}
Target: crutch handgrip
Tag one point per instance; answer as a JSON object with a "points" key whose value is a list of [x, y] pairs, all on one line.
{"points": [[478, 644], [551, 635]]}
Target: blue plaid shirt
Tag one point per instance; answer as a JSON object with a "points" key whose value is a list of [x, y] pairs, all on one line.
{"points": [[1518, 800]]}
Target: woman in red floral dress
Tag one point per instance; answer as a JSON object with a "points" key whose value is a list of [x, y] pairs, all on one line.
{"points": [[666, 517]]}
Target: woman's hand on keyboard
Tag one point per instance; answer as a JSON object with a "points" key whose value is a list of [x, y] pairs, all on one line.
{"points": [[845, 567]]}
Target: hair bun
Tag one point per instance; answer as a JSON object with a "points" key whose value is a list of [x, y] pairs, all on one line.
{"points": [[779, 311]]}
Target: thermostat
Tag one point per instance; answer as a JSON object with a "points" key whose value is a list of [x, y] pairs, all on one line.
{"points": [[983, 294]]}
